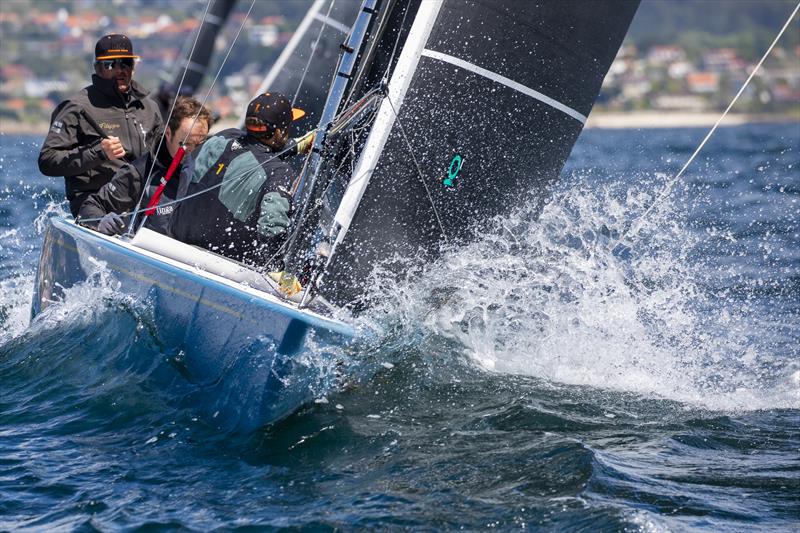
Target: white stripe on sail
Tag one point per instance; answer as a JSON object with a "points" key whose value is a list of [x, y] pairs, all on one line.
{"points": [[505, 81], [398, 86], [333, 23]]}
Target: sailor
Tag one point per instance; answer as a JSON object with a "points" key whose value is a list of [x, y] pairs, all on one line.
{"points": [[96, 131], [238, 203], [190, 121]]}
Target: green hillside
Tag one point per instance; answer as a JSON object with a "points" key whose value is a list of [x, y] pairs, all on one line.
{"points": [[746, 25]]}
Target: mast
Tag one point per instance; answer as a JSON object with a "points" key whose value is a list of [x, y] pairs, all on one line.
{"points": [[401, 80], [309, 187]]}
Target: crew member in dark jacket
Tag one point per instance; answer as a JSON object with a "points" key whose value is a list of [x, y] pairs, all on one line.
{"points": [[247, 216], [122, 193], [130, 124]]}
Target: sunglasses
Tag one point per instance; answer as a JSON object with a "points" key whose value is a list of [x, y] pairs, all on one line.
{"points": [[110, 64]]}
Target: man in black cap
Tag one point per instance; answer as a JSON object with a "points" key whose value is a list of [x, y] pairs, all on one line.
{"points": [[243, 201], [107, 124]]}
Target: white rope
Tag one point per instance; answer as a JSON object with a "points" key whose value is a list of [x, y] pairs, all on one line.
{"points": [[668, 189], [169, 115], [196, 116], [313, 51]]}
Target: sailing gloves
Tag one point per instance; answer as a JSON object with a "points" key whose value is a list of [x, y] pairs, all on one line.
{"points": [[111, 224], [305, 142]]}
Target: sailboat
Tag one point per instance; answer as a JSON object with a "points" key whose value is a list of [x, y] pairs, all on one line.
{"points": [[440, 114]]}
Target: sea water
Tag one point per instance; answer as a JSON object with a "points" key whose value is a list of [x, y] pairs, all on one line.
{"points": [[627, 361]]}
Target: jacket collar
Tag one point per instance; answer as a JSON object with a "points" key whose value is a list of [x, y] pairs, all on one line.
{"points": [[251, 141], [163, 155], [109, 88]]}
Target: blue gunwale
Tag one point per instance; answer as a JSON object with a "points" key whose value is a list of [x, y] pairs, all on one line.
{"points": [[255, 296]]}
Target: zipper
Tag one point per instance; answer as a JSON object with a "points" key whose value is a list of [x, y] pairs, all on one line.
{"points": [[128, 129], [142, 137]]}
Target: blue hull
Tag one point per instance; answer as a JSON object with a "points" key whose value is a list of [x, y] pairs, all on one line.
{"points": [[239, 347]]}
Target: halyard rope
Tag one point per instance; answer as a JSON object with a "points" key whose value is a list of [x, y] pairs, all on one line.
{"points": [[634, 229]]}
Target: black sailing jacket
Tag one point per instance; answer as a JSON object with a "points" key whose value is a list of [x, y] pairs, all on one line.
{"points": [[122, 193], [72, 146]]}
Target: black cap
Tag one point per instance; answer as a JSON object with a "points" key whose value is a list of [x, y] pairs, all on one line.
{"points": [[268, 111], [114, 46]]}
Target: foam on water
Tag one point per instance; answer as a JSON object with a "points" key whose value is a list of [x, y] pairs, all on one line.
{"points": [[22, 244], [15, 306], [554, 299]]}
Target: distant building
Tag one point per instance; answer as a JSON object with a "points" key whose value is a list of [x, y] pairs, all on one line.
{"points": [[264, 34], [703, 82], [679, 70], [663, 55], [722, 60], [37, 88], [784, 93], [636, 89]]}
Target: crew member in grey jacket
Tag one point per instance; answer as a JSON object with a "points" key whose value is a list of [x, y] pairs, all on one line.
{"points": [[98, 130]]}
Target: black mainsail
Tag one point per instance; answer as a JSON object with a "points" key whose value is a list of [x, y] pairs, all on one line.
{"points": [[484, 102]]}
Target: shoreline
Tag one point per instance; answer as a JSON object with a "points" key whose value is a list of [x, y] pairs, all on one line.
{"points": [[681, 119], [597, 120]]}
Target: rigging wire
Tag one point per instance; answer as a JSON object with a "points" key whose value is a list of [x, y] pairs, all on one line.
{"points": [[336, 125], [396, 43], [419, 171], [637, 226], [197, 115], [225, 59], [169, 115], [313, 51], [282, 248], [248, 173], [350, 155]]}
